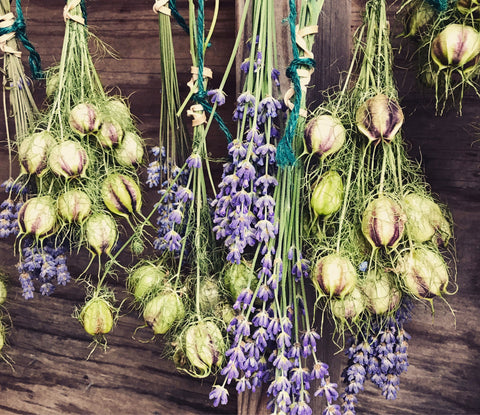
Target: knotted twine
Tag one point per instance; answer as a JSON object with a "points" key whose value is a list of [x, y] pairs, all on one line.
{"points": [[10, 28], [200, 97], [299, 72], [70, 6]]}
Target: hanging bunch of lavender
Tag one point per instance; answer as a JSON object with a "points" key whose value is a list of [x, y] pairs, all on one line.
{"points": [[259, 216], [18, 103], [448, 37], [384, 243]]}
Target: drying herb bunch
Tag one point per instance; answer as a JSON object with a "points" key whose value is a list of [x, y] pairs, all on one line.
{"points": [[78, 168], [257, 213], [378, 238], [448, 47]]}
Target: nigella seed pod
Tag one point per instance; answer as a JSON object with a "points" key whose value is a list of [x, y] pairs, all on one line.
{"points": [[456, 46], [350, 307], [117, 108], [425, 220], [2, 335], [324, 135], [68, 159], [51, 85], [163, 311], [110, 134], [101, 232], [418, 17], [74, 206], [335, 275], [379, 118], [424, 272], [209, 296], [84, 119], [237, 277], [37, 216], [121, 194], [145, 279], [382, 296], [97, 317], [33, 152], [3, 292], [383, 222], [327, 196], [130, 151], [204, 347]]}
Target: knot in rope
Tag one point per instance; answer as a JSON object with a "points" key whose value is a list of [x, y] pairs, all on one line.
{"points": [[69, 16], [161, 6]]}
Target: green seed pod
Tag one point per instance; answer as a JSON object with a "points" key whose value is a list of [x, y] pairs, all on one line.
{"points": [[117, 109], [379, 118], [97, 317], [37, 216], [121, 194], [469, 7], [456, 46], [84, 119], [327, 197], [130, 151], [425, 220], [209, 296], [227, 312], [110, 134], [68, 159], [237, 278], [51, 85], [204, 346], [418, 17], [383, 222], [74, 206], [350, 307], [324, 135], [2, 335], [3, 292], [163, 311], [335, 275], [424, 272], [144, 280], [101, 233], [33, 152], [382, 296]]}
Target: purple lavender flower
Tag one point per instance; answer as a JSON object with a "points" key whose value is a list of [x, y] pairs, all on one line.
{"points": [[268, 108], [194, 161], [276, 76], [219, 395], [216, 96], [328, 390]]}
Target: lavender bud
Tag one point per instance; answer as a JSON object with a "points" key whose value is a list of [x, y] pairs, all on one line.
{"points": [[121, 194], [383, 222], [327, 197], [335, 275], [379, 118], [324, 135], [458, 46], [68, 159], [33, 152], [74, 206], [84, 119]]}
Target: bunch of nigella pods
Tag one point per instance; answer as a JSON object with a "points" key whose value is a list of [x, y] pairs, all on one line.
{"points": [[257, 215]]}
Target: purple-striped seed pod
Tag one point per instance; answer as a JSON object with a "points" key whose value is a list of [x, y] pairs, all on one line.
{"points": [[130, 150], [121, 194], [33, 152], [110, 134], [424, 272], [335, 275], [379, 118], [38, 216], [101, 233], [74, 206], [349, 307], [324, 135], [418, 18], [68, 159], [456, 46], [84, 119], [383, 222]]}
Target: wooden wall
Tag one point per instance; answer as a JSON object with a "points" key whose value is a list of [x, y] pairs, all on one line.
{"points": [[51, 375]]}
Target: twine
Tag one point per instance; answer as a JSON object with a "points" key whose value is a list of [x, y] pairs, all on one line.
{"points": [[196, 111], [440, 5], [178, 18], [194, 70], [17, 28], [68, 16], [161, 6], [300, 77]]}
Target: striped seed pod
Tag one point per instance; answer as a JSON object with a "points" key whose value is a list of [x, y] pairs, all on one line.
{"points": [[121, 194], [130, 150], [33, 152], [84, 119], [110, 134], [324, 135], [68, 159], [335, 274], [101, 232], [74, 206], [37, 216]]}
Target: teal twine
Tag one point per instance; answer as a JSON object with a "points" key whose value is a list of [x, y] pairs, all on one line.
{"points": [[201, 96], [178, 18], [20, 29], [285, 153], [440, 5]]}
